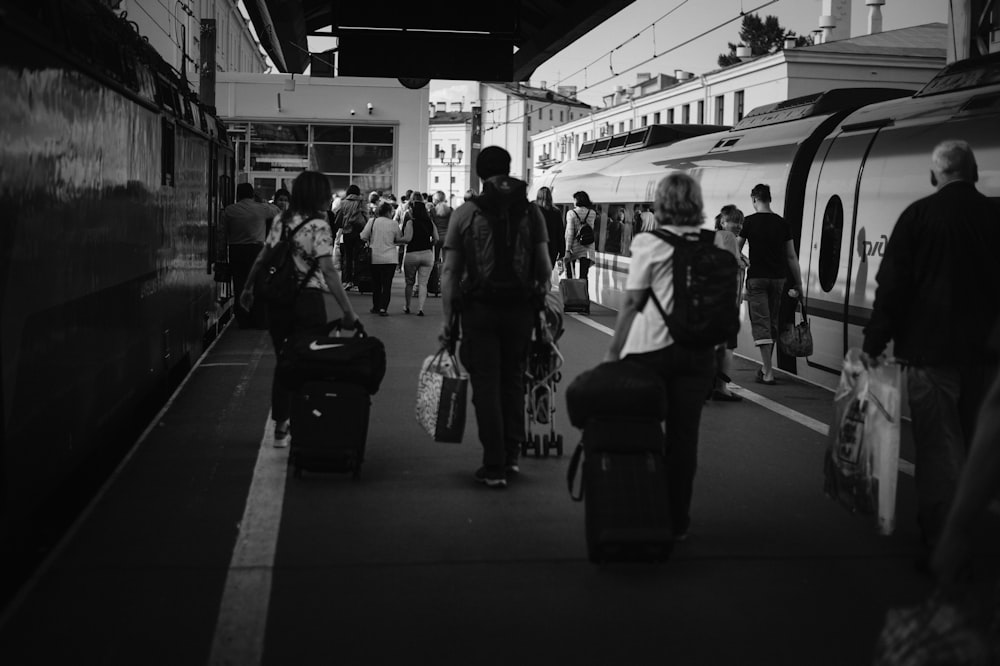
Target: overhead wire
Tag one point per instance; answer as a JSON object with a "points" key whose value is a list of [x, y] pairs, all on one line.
{"points": [[638, 64]]}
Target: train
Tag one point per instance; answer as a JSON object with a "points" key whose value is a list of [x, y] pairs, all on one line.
{"points": [[113, 176], [842, 165]]}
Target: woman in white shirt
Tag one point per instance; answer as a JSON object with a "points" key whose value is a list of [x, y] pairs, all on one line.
{"points": [[384, 238], [641, 335]]}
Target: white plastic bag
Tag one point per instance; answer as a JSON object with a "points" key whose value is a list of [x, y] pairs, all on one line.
{"points": [[862, 459]]}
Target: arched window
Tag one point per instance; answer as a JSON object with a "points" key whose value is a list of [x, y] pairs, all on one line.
{"points": [[830, 242]]}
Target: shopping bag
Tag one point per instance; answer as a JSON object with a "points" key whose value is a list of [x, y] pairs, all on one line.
{"points": [[797, 340], [862, 457], [442, 390]]}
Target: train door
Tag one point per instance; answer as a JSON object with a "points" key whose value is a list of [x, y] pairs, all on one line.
{"points": [[831, 242]]}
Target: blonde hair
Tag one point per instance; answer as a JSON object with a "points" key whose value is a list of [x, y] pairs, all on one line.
{"points": [[678, 201], [728, 214]]}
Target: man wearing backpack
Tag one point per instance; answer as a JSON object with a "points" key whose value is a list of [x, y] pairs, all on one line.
{"points": [[351, 217], [772, 256], [496, 273]]}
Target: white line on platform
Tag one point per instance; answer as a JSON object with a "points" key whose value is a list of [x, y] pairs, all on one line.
{"points": [[240, 629], [217, 365], [905, 466]]}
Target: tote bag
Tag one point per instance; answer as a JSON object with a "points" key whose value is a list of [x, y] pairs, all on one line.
{"points": [[442, 391]]}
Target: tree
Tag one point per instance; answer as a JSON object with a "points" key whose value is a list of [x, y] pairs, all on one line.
{"points": [[762, 36]]}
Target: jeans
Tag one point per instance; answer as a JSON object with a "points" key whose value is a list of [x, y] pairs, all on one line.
{"points": [[688, 375], [763, 304], [943, 401], [382, 275], [416, 264], [241, 259], [494, 350], [585, 265]]}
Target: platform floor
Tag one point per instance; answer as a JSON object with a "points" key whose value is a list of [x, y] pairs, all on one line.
{"points": [[203, 550]]}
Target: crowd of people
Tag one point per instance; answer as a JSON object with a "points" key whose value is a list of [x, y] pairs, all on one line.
{"points": [[935, 300]]}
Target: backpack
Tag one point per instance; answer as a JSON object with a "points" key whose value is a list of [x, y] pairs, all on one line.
{"points": [[485, 277], [355, 223], [585, 236], [705, 311], [277, 281]]}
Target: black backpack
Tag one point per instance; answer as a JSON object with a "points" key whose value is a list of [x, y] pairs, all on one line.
{"points": [[705, 287], [277, 281], [585, 235]]}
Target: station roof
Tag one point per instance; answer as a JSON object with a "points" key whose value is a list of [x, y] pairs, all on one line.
{"points": [[498, 41]]}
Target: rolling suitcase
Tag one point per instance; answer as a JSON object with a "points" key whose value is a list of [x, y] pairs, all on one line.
{"points": [[329, 423], [624, 490], [434, 281], [363, 268], [576, 297]]}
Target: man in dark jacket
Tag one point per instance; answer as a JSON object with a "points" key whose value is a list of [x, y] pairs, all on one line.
{"points": [[351, 217], [938, 295], [496, 272]]}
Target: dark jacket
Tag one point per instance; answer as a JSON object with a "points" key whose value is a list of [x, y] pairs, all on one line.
{"points": [[938, 290], [554, 225], [352, 215]]}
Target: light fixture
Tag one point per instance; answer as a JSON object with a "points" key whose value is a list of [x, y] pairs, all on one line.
{"points": [[290, 83], [371, 107], [352, 112]]}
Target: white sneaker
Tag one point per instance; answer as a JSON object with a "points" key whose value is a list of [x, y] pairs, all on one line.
{"points": [[281, 443]]}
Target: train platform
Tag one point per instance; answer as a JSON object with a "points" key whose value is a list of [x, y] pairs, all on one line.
{"points": [[203, 549]]}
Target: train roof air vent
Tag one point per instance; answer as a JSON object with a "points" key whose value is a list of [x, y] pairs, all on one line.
{"points": [[818, 104], [645, 137], [971, 73]]}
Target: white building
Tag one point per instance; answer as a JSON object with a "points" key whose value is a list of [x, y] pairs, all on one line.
{"points": [[367, 131], [905, 58], [449, 152], [174, 29], [512, 112]]}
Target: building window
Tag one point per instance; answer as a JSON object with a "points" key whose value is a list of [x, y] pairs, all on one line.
{"points": [[437, 150], [686, 114], [645, 120], [738, 104], [701, 112], [584, 136], [539, 113], [527, 175], [436, 179], [550, 114], [656, 118], [529, 150], [571, 115], [621, 126], [720, 110], [670, 116], [630, 123], [527, 122], [560, 115]]}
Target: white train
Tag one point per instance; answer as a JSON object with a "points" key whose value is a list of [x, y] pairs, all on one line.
{"points": [[842, 165]]}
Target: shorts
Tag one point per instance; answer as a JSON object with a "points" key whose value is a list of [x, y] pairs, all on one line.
{"points": [[763, 303]]}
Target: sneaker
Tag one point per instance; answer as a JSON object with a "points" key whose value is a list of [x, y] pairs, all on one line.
{"points": [[490, 478], [383, 313], [406, 310], [281, 435], [420, 314], [512, 467]]}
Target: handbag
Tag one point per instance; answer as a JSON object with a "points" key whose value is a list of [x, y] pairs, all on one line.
{"points": [[442, 391], [356, 359], [797, 340]]}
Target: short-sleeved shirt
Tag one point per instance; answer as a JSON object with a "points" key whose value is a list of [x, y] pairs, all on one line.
{"points": [[767, 234], [245, 221], [651, 267], [312, 241]]}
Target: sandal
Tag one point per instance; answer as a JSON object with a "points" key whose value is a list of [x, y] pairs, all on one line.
{"points": [[760, 379]]}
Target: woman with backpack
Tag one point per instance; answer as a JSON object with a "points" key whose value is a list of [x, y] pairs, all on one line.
{"points": [[319, 299], [641, 335], [580, 235], [420, 235]]}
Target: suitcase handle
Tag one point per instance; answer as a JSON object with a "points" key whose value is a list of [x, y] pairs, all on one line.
{"points": [[359, 328], [574, 464]]}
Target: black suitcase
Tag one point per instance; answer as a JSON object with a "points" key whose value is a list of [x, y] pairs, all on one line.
{"points": [[624, 489], [359, 359], [363, 268], [329, 427], [575, 295], [434, 281], [616, 390]]}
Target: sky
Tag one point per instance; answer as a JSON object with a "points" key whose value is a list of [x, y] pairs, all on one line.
{"points": [[613, 53]]}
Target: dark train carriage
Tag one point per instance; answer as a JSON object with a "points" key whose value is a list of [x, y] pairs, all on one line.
{"points": [[112, 177]]}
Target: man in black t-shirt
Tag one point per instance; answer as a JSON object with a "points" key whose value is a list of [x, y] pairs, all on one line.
{"points": [[772, 256]]}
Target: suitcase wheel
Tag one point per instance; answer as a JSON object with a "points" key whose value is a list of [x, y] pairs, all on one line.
{"points": [[555, 443], [539, 451]]}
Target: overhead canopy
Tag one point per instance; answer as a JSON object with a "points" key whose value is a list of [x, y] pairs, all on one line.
{"points": [[450, 39]]}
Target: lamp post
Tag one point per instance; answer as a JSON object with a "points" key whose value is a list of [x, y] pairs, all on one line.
{"points": [[451, 165]]}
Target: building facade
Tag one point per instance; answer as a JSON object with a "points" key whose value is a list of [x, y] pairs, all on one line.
{"points": [[449, 152], [905, 58], [370, 132]]}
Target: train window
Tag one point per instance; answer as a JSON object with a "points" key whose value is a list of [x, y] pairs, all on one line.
{"points": [[830, 242]]}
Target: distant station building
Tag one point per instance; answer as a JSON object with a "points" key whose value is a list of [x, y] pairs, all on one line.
{"points": [[450, 142], [906, 58]]}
